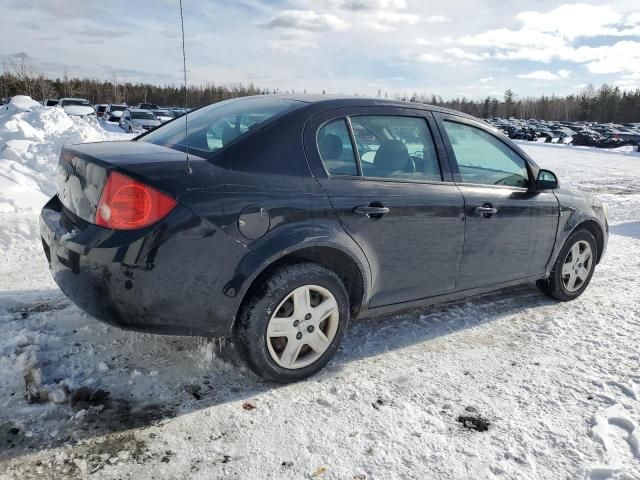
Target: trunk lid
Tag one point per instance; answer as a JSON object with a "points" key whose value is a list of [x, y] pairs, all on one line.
{"points": [[83, 170]]}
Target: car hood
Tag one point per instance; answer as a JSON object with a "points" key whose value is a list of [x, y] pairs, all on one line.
{"points": [[116, 113], [78, 110]]}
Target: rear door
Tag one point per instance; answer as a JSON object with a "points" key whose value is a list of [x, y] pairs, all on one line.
{"points": [[510, 228], [384, 172]]}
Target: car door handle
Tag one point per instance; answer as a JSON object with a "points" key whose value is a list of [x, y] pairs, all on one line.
{"points": [[482, 211], [371, 211]]}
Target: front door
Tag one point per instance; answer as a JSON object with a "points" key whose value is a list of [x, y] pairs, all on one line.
{"points": [[385, 182], [509, 226]]}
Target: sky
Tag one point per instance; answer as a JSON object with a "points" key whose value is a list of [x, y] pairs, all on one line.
{"points": [[471, 48]]}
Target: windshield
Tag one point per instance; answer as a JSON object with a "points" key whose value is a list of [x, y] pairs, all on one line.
{"points": [[115, 108], [142, 116], [82, 103], [214, 127]]}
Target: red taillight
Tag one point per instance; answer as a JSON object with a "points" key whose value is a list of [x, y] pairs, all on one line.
{"points": [[126, 204]]}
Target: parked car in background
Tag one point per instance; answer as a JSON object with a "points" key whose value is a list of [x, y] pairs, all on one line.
{"points": [[113, 113], [602, 135], [298, 213], [163, 115], [50, 102], [147, 106], [100, 109], [136, 120], [177, 111], [78, 107]]}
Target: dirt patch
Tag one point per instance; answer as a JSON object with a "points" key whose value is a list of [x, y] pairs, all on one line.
{"points": [[82, 460], [474, 422]]}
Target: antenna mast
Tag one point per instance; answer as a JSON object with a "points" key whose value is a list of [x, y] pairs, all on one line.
{"points": [[184, 68]]}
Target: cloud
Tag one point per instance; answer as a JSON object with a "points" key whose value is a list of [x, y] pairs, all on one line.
{"points": [[546, 75], [423, 41], [432, 58], [572, 21], [307, 20], [551, 36], [292, 43], [460, 54], [389, 21], [360, 5], [621, 57], [486, 79], [437, 19], [540, 75]]}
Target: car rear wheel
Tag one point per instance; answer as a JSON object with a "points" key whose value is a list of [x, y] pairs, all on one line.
{"points": [[574, 267], [293, 327]]}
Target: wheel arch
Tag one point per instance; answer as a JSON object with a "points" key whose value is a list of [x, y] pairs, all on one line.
{"points": [[349, 269], [594, 228]]}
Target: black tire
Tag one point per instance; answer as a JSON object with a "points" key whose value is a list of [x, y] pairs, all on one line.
{"points": [[250, 334], [554, 286]]}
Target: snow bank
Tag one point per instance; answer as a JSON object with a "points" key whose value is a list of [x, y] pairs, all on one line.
{"points": [[31, 137], [20, 103]]}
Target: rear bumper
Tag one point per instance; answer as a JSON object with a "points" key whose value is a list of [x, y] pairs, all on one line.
{"points": [[169, 278]]}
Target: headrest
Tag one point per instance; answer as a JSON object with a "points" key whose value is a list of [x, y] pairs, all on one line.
{"points": [[392, 156], [330, 146], [228, 135]]}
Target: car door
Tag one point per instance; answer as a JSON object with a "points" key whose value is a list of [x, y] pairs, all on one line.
{"points": [[509, 227], [382, 170]]}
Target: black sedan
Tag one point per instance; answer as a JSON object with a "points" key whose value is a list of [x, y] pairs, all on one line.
{"points": [[277, 219]]}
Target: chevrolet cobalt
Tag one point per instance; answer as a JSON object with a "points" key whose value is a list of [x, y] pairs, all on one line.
{"points": [[277, 219]]}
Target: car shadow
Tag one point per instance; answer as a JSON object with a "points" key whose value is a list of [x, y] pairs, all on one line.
{"points": [[152, 379], [630, 229]]}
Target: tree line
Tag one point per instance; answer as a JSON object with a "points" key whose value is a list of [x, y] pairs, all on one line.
{"points": [[604, 104]]}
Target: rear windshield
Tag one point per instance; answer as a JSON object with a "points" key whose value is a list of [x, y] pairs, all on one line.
{"points": [[83, 103], [214, 127], [142, 116]]}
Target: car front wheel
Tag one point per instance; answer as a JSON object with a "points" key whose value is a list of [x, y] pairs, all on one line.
{"points": [[292, 327], [574, 267]]}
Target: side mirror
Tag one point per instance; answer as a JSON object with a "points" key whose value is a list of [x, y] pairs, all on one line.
{"points": [[546, 180]]}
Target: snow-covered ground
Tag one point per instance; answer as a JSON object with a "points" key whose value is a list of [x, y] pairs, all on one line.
{"points": [[558, 384]]}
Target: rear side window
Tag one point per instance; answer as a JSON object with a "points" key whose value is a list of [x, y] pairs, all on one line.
{"points": [[336, 151], [396, 147], [213, 128], [484, 159]]}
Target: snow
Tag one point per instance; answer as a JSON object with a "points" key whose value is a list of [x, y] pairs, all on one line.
{"points": [[559, 383]]}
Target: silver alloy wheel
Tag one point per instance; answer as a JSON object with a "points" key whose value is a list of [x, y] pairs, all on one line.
{"points": [[302, 326], [577, 266]]}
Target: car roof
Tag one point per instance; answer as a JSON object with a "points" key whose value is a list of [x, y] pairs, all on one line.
{"points": [[138, 110], [329, 102], [74, 98]]}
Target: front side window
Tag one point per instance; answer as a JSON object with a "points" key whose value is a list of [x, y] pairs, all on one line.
{"points": [[214, 127], [484, 159], [336, 151], [396, 147]]}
